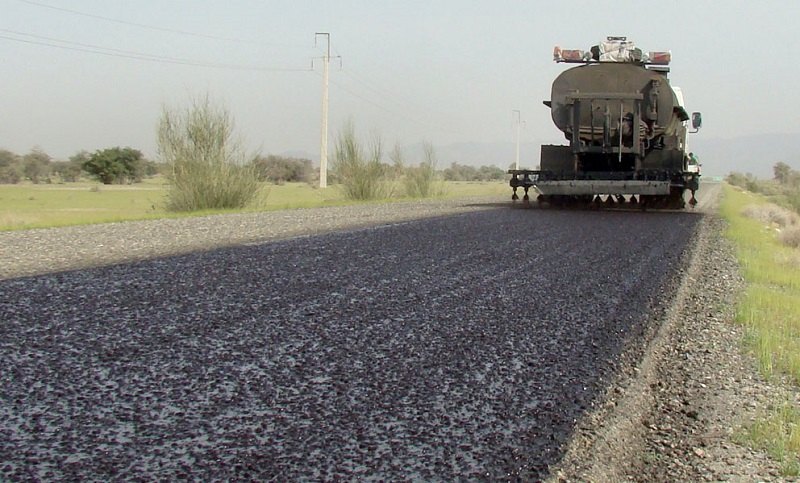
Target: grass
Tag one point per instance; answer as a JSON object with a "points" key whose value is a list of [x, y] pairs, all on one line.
{"points": [[770, 311], [27, 206], [34, 206], [779, 435]]}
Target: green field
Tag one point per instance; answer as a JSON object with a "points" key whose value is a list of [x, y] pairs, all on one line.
{"points": [[46, 205], [770, 312]]}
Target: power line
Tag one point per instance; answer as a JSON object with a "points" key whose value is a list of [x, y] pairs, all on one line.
{"points": [[372, 86], [387, 109], [130, 54], [155, 28]]}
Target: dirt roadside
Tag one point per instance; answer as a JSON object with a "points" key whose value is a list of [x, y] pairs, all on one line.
{"points": [[673, 416]]}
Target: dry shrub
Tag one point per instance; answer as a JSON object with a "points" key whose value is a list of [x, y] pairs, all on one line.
{"points": [[772, 214], [209, 167], [790, 237], [361, 173], [788, 258], [420, 181]]}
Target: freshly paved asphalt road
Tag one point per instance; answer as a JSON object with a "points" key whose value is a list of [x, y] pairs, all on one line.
{"points": [[457, 347]]}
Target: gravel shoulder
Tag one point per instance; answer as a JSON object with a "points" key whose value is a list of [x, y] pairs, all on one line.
{"points": [[672, 417]]}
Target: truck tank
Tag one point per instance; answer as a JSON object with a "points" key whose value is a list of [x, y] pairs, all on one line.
{"points": [[626, 130]]}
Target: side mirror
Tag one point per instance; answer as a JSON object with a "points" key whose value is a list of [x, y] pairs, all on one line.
{"points": [[697, 121]]}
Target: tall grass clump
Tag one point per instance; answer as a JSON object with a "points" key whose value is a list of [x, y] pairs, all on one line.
{"points": [[209, 168], [422, 181], [360, 173], [777, 433]]}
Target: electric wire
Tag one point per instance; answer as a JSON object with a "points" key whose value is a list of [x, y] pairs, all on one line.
{"points": [[121, 53], [388, 109], [385, 94], [156, 28], [130, 54]]}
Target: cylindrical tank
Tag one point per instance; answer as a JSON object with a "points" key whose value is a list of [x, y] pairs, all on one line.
{"points": [[613, 80]]}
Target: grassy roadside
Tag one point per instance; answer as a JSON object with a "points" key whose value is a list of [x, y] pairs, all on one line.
{"points": [[27, 206], [770, 312]]}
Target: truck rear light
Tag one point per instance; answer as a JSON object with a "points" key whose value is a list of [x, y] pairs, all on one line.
{"points": [[660, 58], [572, 54]]}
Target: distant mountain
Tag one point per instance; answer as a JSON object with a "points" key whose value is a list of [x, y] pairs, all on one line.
{"points": [[747, 154], [501, 154]]}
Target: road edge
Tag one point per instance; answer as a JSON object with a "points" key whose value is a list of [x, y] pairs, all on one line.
{"points": [[672, 416]]}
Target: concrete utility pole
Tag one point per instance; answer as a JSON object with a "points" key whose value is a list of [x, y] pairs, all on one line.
{"points": [[519, 122], [323, 142]]}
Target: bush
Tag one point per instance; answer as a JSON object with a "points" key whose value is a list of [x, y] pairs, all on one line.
{"points": [[362, 175], [420, 181], [279, 170], [460, 172], [771, 214], [793, 199], [790, 237], [208, 167], [786, 222], [739, 179]]}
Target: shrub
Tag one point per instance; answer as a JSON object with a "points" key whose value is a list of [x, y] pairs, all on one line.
{"points": [[209, 169], [746, 181], [790, 237], [361, 174], [793, 199], [279, 169], [460, 172], [770, 213], [420, 181]]}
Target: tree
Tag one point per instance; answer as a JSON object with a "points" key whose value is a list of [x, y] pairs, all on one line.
{"points": [[783, 172], [151, 168], [36, 165], [70, 171], [10, 167], [115, 165]]}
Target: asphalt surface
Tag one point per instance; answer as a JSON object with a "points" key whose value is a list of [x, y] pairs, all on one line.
{"points": [[460, 347]]}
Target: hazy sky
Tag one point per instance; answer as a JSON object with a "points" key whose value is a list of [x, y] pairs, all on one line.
{"points": [[441, 71]]}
